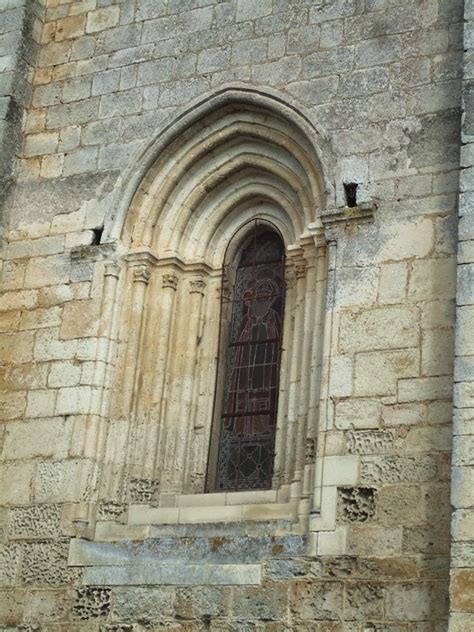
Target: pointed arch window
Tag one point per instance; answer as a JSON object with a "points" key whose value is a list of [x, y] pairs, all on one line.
{"points": [[251, 331]]}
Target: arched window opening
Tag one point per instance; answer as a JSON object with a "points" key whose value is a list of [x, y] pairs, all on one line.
{"points": [[251, 326]]}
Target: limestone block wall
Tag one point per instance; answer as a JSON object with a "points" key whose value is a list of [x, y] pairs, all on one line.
{"points": [[462, 494], [380, 83], [20, 27]]}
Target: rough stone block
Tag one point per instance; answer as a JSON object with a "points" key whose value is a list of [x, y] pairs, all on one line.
{"points": [[102, 19], [56, 481], [39, 144], [382, 470], [424, 388], [70, 27], [248, 10], [16, 348], [374, 540], [364, 601], [377, 373], [91, 603], [277, 72], [399, 504], [356, 504], [316, 600], [40, 521], [432, 279], [153, 605], [356, 286], [121, 103], [76, 89], [358, 413], [9, 562], [383, 328], [39, 318], [12, 405], [73, 113], [393, 283], [369, 441], [416, 602]]}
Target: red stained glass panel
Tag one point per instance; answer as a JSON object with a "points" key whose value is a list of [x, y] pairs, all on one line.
{"points": [[252, 366]]}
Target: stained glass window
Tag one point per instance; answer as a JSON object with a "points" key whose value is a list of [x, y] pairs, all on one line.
{"points": [[252, 366]]}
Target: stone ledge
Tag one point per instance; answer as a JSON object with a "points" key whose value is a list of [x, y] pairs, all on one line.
{"points": [[360, 214], [211, 514], [174, 575]]}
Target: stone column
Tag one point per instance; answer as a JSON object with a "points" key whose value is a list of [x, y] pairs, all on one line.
{"points": [[327, 336], [314, 390], [295, 371], [140, 265], [309, 254], [183, 421], [96, 429], [281, 444], [161, 343]]}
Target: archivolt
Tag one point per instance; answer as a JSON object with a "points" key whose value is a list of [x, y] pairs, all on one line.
{"points": [[235, 156]]}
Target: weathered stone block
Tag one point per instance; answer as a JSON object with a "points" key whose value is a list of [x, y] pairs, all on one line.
{"points": [[267, 602], [369, 441], [102, 19], [364, 601], [462, 590], [383, 328], [424, 388], [91, 603], [9, 562], [358, 413], [56, 481], [416, 602], [316, 600], [12, 405], [378, 373], [153, 606], [40, 521], [382, 470], [73, 113], [399, 503], [356, 504], [16, 347], [374, 540]]}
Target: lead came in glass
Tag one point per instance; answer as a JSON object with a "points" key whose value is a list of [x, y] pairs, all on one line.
{"points": [[248, 423]]}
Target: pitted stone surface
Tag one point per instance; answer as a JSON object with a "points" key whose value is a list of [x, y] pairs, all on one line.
{"points": [[45, 563], [91, 603], [42, 521], [356, 504]]}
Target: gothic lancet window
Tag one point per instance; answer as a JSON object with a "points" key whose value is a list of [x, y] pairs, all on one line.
{"points": [[251, 335]]}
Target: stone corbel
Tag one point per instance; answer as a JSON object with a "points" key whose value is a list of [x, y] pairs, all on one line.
{"points": [[336, 220], [93, 252]]}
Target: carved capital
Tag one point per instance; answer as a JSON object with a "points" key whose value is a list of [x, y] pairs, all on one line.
{"points": [[112, 269], [300, 269], [170, 280], [310, 451], [142, 263], [141, 273], [197, 286]]}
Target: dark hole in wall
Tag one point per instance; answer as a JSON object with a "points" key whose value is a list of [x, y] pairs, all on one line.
{"points": [[350, 189], [97, 235]]}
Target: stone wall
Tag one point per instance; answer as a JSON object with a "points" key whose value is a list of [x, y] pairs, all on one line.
{"points": [[462, 579], [380, 81], [20, 28]]}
